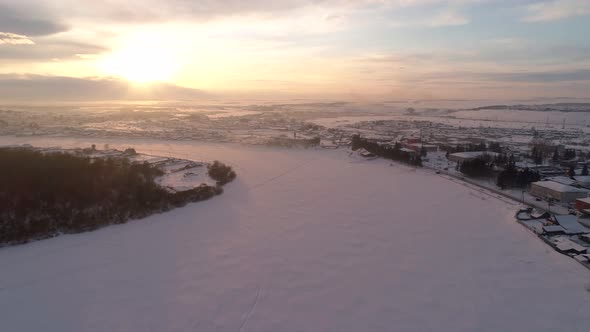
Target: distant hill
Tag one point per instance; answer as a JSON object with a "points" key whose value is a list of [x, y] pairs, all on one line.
{"points": [[36, 88], [558, 107]]}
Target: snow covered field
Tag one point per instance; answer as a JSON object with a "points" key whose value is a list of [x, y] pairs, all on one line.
{"points": [[509, 119], [303, 240]]}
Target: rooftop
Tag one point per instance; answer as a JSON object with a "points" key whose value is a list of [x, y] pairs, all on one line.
{"points": [[565, 244], [582, 179], [571, 224], [473, 154], [559, 187], [563, 180]]}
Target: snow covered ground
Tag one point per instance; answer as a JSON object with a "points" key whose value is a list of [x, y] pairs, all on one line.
{"points": [[512, 119], [303, 240], [181, 175]]}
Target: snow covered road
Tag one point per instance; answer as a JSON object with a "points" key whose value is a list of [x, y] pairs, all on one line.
{"points": [[301, 241]]}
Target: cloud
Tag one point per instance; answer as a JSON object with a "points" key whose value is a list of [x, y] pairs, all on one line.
{"points": [[447, 18], [27, 13], [29, 21], [17, 88], [14, 39], [49, 49], [554, 10], [472, 77], [541, 77]]}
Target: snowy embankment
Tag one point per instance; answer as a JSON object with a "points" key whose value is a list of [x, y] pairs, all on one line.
{"points": [[301, 241]]}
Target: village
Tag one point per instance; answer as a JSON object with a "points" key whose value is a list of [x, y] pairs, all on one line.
{"points": [[555, 202]]}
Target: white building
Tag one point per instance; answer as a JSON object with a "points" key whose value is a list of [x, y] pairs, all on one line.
{"points": [[557, 191]]}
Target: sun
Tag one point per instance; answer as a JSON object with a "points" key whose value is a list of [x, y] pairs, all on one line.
{"points": [[141, 62]]}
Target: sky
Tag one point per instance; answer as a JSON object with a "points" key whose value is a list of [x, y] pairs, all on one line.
{"points": [[388, 49]]}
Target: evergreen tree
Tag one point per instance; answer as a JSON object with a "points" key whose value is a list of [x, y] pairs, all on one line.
{"points": [[571, 171], [539, 158], [569, 154], [585, 170], [423, 152], [556, 155], [495, 147]]}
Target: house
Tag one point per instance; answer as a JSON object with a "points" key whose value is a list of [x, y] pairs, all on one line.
{"points": [[419, 146], [461, 157], [571, 225], [408, 151], [545, 171], [566, 246], [366, 154], [583, 181], [583, 204], [412, 140], [557, 191], [553, 229]]}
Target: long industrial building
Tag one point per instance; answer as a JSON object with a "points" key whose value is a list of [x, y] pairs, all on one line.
{"points": [[557, 191]]}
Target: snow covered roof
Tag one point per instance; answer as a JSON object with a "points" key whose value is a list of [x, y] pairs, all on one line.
{"points": [[571, 224], [563, 180], [584, 200], [420, 145], [583, 179], [584, 221], [553, 229], [473, 154], [555, 186], [565, 244]]}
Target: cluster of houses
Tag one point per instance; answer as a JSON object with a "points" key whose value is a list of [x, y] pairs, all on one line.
{"points": [[567, 234]]}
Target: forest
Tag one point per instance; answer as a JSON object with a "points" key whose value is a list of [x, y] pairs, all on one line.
{"points": [[44, 195], [386, 151]]}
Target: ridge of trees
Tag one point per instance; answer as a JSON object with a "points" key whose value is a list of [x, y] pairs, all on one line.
{"points": [[478, 167], [44, 195], [286, 142], [386, 151], [510, 177]]}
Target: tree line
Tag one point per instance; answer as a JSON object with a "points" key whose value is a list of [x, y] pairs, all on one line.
{"points": [[286, 142], [386, 151], [43, 195], [509, 177]]}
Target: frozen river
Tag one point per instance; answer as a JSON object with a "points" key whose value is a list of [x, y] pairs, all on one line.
{"points": [[303, 240]]}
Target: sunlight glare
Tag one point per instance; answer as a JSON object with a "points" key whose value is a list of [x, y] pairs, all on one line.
{"points": [[141, 61]]}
